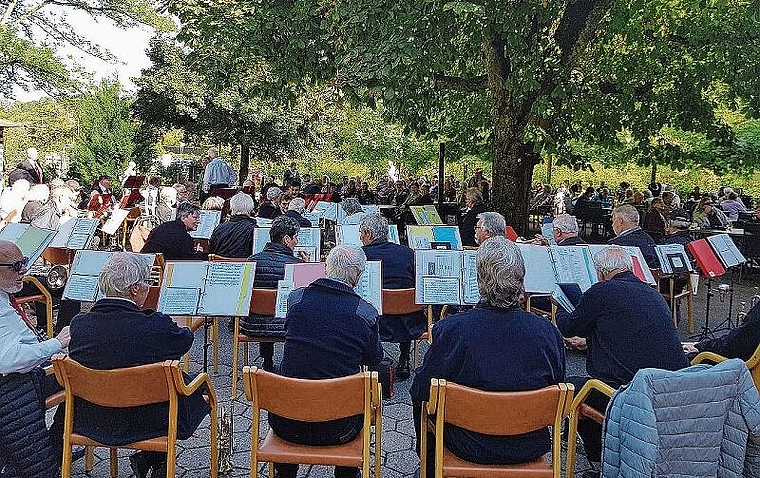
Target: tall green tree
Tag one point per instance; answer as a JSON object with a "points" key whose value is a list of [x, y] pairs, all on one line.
{"points": [[514, 79], [32, 30]]}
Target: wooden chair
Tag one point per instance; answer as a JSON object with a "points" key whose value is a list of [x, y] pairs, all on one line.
{"points": [[315, 401], [401, 302], [132, 217], [753, 363], [43, 297], [131, 387], [263, 302], [670, 295], [579, 409], [493, 413]]}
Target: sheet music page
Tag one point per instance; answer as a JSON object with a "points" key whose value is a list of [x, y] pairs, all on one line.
{"points": [[305, 273], [313, 218], [340, 213], [562, 300], [260, 238], [393, 234], [90, 263], [574, 264], [726, 250], [263, 222], [207, 222], [470, 291], [419, 215], [30, 239], [13, 232], [309, 236], [81, 233], [547, 230], [348, 234], [228, 290], [284, 288], [673, 257], [63, 233], [441, 290], [438, 276], [328, 210], [539, 269], [419, 237], [371, 284], [83, 288], [113, 222], [179, 301], [448, 234], [185, 274]]}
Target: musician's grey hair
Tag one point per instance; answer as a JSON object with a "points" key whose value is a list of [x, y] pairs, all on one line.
{"points": [[612, 258], [474, 195], [493, 223], [297, 204], [345, 263], [566, 223], [627, 213], [501, 271], [121, 272], [351, 206], [241, 203], [185, 209], [376, 226]]}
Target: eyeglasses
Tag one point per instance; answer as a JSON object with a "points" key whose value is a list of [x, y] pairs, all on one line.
{"points": [[17, 266], [479, 227]]}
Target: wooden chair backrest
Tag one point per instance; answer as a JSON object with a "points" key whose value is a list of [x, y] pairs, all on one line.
{"points": [[399, 302], [308, 400], [518, 412], [753, 364], [263, 302], [58, 255], [119, 388]]}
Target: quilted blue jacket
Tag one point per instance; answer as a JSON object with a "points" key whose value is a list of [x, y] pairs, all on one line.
{"points": [[699, 421]]}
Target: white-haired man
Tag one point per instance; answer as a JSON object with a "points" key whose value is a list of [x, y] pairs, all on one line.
{"points": [[490, 224], [296, 208], [26, 449], [625, 224], [627, 326], [330, 332], [234, 238]]}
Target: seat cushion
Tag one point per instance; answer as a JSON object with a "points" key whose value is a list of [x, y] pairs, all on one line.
{"points": [[455, 466], [275, 449]]}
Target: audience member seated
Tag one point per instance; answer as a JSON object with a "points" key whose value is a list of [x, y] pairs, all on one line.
{"points": [[117, 333], [167, 199], [353, 209], [678, 228], [474, 206], [627, 326], [654, 222], [740, 342], [330, 332], [234, 238], [603, 197], [625, 224], [270, 209], [732, 206], [366, 196], [26, 447], [542, 201], [707, 216], [296, 208], [36, 198], [472, 348], [398, 273], [172, 239], [490, 224], [270, 268]]}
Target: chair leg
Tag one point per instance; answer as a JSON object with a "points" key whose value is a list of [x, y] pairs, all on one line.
{"points": [[89, 458], [690, 312], [270, 468], [214, 414], [378, 442], [215, 344], [114, 459], [171, 459], [572, 432], [66, 464], [416, 354]]}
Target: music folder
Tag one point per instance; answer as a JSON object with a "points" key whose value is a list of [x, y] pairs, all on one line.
{"points": [[706, 259]]}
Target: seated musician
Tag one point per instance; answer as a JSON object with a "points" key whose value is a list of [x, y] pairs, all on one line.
{"points": [[26, 447], [331, 332], [116, 333], [398, 273], [234, 238], [101, 196], [172, 239], [468, 221], [740, 342], [496, 346], [627, 326], [270, 268], [490, 224], [625, 224]]}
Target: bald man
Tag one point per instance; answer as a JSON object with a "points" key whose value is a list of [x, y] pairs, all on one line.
{"points": [[26, 448]]}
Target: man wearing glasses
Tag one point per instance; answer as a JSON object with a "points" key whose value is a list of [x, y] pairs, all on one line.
{"points": [[26, 448]]}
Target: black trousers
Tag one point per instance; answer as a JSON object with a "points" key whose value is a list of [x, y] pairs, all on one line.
{"points": [[334, 432], [27, 449], [590, 431]]}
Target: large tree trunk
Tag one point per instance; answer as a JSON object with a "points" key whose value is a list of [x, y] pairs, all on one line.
{"points": [[245, 161]]}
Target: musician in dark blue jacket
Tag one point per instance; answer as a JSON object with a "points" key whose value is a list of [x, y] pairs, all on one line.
{"points": [[234, 238], [330, 332], [270, 268], [116, 333], [496, 346], [398, 273], [625, 223]]}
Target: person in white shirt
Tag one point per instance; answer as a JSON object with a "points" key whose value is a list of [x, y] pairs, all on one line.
{"points": [[26, 449]]}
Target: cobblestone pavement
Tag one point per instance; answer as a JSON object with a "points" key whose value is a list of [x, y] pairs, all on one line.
{"points": [[398, 456]]}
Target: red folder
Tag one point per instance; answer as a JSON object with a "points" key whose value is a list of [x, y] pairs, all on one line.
{"points": [[511, 233], [637, 270], [706, 259]]}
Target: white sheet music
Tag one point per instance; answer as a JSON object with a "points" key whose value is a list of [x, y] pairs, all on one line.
{"points": [[726, 250], [311, 253], [574, 264], [113, 222], [82, 284], [207, 222], [470, 290], [284, 288], [349, 234], [540, 275], [75, 234], [371, 284], [260, 238], [81, 288], [438, 276], [673, 258], [440, 290], [179, 301], [328, 210]]}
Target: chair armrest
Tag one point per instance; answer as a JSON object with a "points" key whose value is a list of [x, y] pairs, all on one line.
{"points": [[194, 385], [587, 388], [707, 356], [432, 404], [49, 370]]}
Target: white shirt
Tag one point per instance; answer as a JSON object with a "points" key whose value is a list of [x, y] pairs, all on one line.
{"points": [[19, 349]]}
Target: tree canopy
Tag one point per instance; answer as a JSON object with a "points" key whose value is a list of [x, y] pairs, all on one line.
{"points": [[516, 79]]}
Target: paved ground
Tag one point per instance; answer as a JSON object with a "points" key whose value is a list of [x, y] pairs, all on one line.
{"points": [[398, 457]]}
